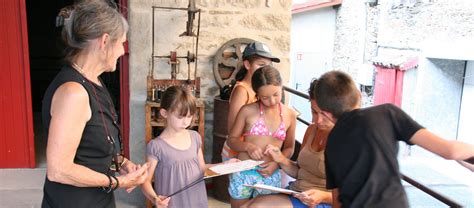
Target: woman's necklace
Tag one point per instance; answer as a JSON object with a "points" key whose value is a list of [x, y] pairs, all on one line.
{"points": [[78, 68], [320, 137], [83, 73]]}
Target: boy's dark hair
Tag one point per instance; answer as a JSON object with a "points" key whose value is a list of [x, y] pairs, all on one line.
{"points": [[336, 93], [265, 75], [180, 99], [312, 88]]}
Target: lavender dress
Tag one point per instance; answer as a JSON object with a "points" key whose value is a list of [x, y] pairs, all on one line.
{"points": [[176, 169]]}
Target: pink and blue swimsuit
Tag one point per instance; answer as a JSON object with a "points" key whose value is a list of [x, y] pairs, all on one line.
{"points": [[237, 190]]}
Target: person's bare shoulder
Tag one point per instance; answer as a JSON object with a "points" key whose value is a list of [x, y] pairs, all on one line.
{"points": [[71, 95], [249, 109], [238, 93], [71, 91], [290, 111]]}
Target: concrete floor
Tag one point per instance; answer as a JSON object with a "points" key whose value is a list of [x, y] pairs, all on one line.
{"points": [[445, 177], [22, 188]]}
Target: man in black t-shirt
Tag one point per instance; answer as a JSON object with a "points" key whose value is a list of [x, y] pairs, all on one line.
{"points": [[361, 153]]}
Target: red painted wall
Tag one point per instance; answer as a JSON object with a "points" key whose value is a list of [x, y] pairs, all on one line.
{"points": [[16, 123]]}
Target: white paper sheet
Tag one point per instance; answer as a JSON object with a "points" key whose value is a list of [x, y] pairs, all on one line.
{"points": [[272, 188], [235, 167]]}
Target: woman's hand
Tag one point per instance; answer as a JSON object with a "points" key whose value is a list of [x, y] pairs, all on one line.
{"points": [[127, 167], [161, 201], [311, 197], [135, 178], [275, 153], [255, 152], [267, 168]]}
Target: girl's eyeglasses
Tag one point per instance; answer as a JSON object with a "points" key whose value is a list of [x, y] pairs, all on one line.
{"points": [[117, 162], [118, 159]]}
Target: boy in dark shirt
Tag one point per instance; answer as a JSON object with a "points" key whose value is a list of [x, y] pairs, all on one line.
{"points": [[361, 153]]}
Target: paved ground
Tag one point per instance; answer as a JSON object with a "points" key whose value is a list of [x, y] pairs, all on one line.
{"points": [[445, 177], [22, 188]]}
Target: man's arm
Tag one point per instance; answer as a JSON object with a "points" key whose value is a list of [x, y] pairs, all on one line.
{"points": [[448, 149]]}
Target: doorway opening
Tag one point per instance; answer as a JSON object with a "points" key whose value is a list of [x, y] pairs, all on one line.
{"points": [[46, 59]]}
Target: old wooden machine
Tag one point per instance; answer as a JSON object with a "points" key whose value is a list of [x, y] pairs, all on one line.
{"points": [[154, 123]]}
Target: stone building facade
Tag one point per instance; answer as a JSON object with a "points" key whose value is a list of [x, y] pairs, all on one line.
{"points": [[440, 33], [267, 21]]}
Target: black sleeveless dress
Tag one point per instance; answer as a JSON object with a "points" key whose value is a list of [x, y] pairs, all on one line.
{"points": [[94, 150]]}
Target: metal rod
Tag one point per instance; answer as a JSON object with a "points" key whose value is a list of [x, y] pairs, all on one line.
{"points": [[197, 44], [430, 192], [296, 92], [303, 121], [153, 42], [182, 57], [460, 101], [174, 8], [303, 95]]}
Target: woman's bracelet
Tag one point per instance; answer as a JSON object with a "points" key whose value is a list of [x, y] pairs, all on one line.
{"points": [[108, 189], [117, 184]]}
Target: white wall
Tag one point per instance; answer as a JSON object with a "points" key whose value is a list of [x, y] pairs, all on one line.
{"points": [[312, 42], [438, 95], [466, 116]]}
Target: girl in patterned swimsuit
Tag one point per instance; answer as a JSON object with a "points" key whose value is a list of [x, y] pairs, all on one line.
{"points": [[261, 123], [255, 55]]}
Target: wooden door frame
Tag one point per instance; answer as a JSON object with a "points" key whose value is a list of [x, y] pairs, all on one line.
{"points": [[125, 88], [23, 89], [27, 81]]}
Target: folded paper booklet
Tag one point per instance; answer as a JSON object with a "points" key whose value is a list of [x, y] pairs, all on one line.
{"points": [[229, 168], [272, 188]]}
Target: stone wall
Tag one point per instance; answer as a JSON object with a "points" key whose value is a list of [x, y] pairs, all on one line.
{"points": [[418, 28], [397, 25], [267, 21], [349, 40]]}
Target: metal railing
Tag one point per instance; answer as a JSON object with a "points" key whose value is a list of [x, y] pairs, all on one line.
{"points": [[440, 197]]}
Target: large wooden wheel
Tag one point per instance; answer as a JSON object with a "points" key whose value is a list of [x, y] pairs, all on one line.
{"points": [[228, 60]]}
